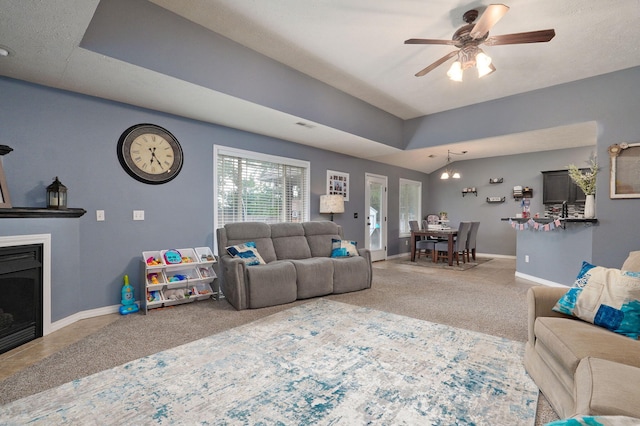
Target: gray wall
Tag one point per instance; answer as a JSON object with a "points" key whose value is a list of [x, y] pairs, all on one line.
{"points": [[57, 133]]}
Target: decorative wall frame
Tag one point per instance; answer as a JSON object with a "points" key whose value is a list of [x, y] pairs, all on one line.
{"points": [[338, 183], [624, 181], [5, 200]]}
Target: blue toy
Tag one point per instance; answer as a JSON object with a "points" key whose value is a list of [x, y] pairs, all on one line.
{"points": [[128, 301]]}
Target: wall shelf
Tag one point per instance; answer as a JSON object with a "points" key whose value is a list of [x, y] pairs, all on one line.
{"points": [[492, 200], [39, 212], [526, 192], [466, 191]]}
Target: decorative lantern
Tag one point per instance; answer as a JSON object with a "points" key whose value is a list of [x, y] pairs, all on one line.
{"points": [[57, 195]]}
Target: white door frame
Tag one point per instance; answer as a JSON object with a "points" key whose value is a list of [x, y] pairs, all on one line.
{"points": [[379, 253]]}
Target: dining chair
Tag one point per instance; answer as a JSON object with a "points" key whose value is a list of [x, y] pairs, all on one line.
{"points": [[471, 240], [459, 244], [421, 244]]}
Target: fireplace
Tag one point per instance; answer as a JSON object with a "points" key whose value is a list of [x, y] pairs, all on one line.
{"points": [[21, 295]]}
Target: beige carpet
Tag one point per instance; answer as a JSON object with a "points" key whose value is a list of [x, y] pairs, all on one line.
{"points": [[487, 298]]}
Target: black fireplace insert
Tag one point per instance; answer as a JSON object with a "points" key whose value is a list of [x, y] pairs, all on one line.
{"points": [[21, 287]]}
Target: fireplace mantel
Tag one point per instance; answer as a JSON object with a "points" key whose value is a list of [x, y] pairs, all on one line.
{"points": [[38, 212]]}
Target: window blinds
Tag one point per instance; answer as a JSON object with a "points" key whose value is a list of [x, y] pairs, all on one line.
{"points": [[255, 189]]}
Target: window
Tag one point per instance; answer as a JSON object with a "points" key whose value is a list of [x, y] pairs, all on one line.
{"points": [[410, 204], [254, 187]]}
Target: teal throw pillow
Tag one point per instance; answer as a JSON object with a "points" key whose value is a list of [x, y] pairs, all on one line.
{"points": [[596, 421], [247, 252], [567, 303], [606, 297], [342, 248]]}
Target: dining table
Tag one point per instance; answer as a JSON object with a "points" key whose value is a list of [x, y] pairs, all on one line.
{"points": [[447, 233]]}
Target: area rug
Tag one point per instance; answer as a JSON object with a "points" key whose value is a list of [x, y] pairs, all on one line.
{"points": [[426, 262], [324, 362]]}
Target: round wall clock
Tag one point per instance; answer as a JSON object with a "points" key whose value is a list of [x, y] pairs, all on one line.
{"points": [[150, 154]]}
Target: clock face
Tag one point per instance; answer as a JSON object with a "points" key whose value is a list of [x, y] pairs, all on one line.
{"points": [[150, 154]]}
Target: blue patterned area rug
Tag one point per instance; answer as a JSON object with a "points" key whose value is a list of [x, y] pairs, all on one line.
{"points": [[324, 362]]}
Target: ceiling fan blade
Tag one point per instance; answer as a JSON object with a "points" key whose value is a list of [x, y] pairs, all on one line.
{"points": [[437, 63], [489, 18], [540, 36], [428, 41]]}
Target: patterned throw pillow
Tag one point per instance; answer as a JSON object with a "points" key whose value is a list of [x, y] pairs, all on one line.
{"points": [[606, 297], [341, 248], [248, 253], [596, 421]]}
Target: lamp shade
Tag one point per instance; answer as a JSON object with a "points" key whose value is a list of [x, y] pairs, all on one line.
{"points": [[331, 204]]}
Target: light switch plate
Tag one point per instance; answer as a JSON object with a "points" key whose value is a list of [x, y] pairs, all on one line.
{"points": [[138, 215], [99, 215]]}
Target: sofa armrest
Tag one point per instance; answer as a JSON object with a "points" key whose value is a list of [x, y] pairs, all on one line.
{"points": [[366, 253], [234, 281], [540, 301], [606, 388]]}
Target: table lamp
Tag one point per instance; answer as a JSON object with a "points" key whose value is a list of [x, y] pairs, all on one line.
{"points": [[331, 204]]}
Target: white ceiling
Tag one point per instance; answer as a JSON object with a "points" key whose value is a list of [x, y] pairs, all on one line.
{"points": [[353, 45]]}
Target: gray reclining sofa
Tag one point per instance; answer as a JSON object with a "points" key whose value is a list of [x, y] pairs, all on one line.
{"points": [[298, 264]]}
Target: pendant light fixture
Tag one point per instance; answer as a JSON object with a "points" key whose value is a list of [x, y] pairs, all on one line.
{"points": [[448, 171]]}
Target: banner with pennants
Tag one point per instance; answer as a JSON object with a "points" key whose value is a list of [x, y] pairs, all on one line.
{"points": [[535, 226]]}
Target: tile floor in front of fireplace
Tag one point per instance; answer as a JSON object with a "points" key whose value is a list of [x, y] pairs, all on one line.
{"points": [[25, 355]]}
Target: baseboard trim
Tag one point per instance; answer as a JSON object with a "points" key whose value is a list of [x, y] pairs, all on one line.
{"points": [[397, 256], [496, 256], [84, 315], [539, 280]]}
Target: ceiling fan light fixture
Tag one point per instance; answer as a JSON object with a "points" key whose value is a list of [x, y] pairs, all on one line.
{"points": [[455, 71], [482, 71], [445, 175], [483, 64], [469, 37], [482, 59], [456, 175]]}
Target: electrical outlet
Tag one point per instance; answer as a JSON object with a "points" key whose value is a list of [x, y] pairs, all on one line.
{"points": [[99, 215], [526, 258], [138, 215]]}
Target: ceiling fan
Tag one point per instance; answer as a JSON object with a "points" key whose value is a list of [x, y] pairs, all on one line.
{"points": [[469, 37]]}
